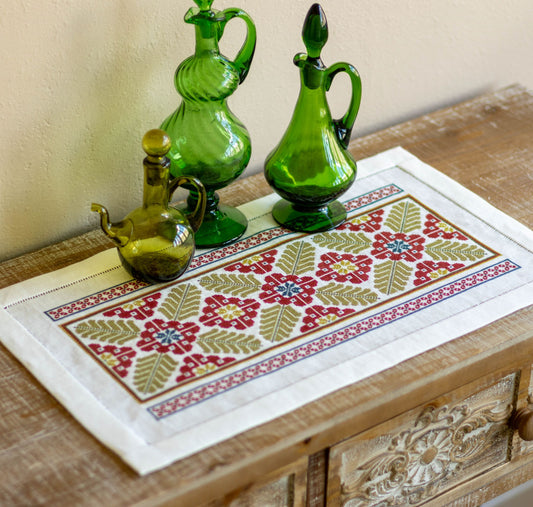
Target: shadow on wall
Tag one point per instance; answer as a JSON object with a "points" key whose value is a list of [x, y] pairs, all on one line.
{"points": [[94, 80]]}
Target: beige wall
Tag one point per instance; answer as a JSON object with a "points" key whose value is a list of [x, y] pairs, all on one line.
{"points": [[81, 81]]}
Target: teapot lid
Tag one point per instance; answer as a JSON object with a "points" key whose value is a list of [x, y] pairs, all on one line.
{"points": [[156, 143]]}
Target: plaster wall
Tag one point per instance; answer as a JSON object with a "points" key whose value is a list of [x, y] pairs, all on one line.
{"points": [[82, 81]]}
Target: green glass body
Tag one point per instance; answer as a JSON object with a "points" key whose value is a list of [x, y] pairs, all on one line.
{"points": [[208, 140], [155, 241], [161, 246], [311, 166]]}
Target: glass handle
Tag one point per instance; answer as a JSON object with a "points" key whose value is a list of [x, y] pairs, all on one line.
{"points": [[197, 216], [343, 126], [245, 55]]}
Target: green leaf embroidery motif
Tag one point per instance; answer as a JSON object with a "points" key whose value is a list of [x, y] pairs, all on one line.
{"points": [[278, 322], [404, 217], [455, 251], [336, 294], [392, 276], [346, 241], [236, 285], [225, 342], [182, 302], [109, 331], [297, 258], [152, 372]]}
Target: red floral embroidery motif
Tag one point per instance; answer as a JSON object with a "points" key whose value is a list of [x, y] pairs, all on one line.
{"points": [[118, 359], [139, 309], [168, 336], [428, 271], [259, 263], [197, 365], [288, 289], [229, 312], [344, 267], [398, 247], [371, 222], [436, 228], [318, 316]]}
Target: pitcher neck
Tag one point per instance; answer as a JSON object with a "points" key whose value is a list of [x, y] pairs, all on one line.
{"points": [[155, 191], [312, 106], [206, 38], [312, 71], [312, 89]]}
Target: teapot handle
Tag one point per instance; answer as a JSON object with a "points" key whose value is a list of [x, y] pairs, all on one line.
{"points": [[196, 217], [343, 126], [245, 55]]}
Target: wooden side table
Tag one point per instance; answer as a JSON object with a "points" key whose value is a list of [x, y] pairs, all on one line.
{"points": [[347, 445]]}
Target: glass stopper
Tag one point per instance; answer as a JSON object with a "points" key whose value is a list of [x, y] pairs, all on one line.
{"points": [[204, 5], [315, 31], [156, 143]]}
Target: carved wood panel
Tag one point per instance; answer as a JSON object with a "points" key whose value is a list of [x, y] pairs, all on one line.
{"points": [[285, 487], [416, 456]]}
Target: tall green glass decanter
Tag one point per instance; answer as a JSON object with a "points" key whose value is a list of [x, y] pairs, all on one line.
{"points": [[311, 166], [208, 140]]}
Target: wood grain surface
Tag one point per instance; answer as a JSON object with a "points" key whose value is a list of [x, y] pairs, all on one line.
{"points": [[47, 458]]}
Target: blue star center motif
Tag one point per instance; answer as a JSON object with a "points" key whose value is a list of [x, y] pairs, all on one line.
{"points": [[398, 246], [168, 336], [288, 289]]}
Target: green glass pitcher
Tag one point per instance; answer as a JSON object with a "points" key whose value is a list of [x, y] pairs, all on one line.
{"points": [[156, 242], [208, 140], [311, 166]]}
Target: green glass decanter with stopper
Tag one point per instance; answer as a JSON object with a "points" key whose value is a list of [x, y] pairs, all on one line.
{"points": [[208, 140], [311, 166], [155, 241]]}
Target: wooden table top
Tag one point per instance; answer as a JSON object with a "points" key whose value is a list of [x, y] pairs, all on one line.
{"points": [[46, 457]]}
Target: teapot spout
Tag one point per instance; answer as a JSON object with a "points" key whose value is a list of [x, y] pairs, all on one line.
{"points": [[120, 232]]}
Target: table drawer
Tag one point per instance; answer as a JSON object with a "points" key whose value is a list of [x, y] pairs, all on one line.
{"points": [[428, 450], [285, 487]]}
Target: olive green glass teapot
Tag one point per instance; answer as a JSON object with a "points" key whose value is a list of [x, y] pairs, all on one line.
{"points": [[155, 241]]}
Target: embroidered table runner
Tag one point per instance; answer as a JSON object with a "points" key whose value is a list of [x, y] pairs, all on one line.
{"points": [[278, 319]]}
